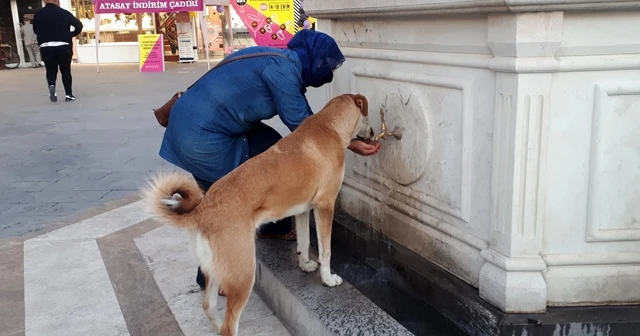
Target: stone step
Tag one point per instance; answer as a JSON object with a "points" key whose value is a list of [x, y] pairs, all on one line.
{"points": [[309, 308]]}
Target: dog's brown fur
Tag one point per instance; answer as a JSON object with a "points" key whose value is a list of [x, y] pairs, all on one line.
{"points": [[303, 171]]}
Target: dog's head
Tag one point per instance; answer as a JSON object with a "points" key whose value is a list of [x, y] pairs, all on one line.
{"points": [[362, 130]]}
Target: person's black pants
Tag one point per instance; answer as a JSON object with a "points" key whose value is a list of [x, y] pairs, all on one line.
{"points": [[260, 138], [58, 58]]}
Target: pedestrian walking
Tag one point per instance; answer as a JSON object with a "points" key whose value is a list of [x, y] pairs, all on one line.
{"points": [[31, 43], [52, 26]]}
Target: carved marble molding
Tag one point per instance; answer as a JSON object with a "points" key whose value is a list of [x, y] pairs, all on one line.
{"points": [[501, 64], [414, 210], [414, 148], [340, 9], [512, 277], [613, 212], [591, 259], [405, 160], [408, 223]]}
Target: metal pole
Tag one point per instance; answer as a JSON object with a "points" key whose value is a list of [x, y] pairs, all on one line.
{"points": [[205, 36], [16, 30], [230, 26], [97, 38]]}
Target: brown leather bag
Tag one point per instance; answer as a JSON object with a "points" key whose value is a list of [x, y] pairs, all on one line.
{"points": [[162, 113]]}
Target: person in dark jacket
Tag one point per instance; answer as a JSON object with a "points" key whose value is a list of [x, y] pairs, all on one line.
{"points": [[217, 124], [52, 25]]}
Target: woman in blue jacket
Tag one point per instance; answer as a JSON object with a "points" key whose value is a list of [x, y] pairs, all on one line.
{"points": [[217, 124]]}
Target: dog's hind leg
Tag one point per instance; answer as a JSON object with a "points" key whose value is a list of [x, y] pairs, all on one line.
{"points": [[302, 229], [324, 220], [210, 300], [238, 268], [237, 298], [206, 259]]}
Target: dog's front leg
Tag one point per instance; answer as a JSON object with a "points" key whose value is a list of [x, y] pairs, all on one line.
{"points": [[302, 228], [324, 223]]}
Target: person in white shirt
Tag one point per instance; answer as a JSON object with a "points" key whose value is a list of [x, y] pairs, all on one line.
{"points": [[31, 43]]}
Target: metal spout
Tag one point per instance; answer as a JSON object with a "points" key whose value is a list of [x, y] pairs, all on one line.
{"points": [[396, 133]]}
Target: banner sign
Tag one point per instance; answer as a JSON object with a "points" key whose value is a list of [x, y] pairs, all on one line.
{"points": [[185, 40], [151, 48], [271, 23], [146, 6]]}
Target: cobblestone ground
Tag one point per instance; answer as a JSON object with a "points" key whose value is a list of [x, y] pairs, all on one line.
{"points": [[59, 158]]}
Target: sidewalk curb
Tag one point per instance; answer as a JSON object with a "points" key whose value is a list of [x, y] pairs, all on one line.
{"points": [[308, 308], [59, 223], [288, 308]]}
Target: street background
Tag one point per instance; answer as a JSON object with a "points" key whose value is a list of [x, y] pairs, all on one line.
{"points": [[57, 159]]}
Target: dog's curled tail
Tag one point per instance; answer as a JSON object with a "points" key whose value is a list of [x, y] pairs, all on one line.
{"points": [[172, 197]]}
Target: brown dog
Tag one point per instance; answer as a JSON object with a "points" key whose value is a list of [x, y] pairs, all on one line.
{"points": [[303, 171]]}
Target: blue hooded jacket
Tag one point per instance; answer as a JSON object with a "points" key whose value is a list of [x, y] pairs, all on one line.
{"points": [[207, 125]]}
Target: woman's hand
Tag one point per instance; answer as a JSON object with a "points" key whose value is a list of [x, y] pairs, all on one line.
{"points": [[364, 147]]}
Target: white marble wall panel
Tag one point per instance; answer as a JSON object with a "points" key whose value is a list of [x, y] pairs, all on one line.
{"points": [[435, 34], [609, 34], [442, 178], [522, 164]]}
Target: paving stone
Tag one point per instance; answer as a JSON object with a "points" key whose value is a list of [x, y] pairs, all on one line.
{"points": [[33, 209], [107, 140], [118, 194], [69, 197], [70, 276], [29, 186], [13, 226], [67, 208]]}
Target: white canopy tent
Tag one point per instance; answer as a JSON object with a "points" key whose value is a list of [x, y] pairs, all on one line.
{"points": [[201, 17]]}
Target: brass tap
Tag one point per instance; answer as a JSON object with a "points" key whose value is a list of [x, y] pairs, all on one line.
{"points": [[396, 133]]}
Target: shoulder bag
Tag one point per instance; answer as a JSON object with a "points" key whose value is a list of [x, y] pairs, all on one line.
{"points": [[162, 112]]}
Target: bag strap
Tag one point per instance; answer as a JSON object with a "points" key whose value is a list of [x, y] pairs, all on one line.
{"points": [[236, 58]]}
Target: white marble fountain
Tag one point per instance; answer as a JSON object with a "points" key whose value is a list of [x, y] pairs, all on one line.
{"points": [[519, 166]]}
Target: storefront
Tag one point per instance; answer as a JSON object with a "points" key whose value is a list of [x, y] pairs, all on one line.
{"points": [[12, 14], [118, 33], [225, 29]]}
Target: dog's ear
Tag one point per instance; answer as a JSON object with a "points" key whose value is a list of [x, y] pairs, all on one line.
{"points": [[361, 102]]}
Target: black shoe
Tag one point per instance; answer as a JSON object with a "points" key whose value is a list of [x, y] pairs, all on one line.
{"points": [[200, 279], [53, 96], [69, 98]]}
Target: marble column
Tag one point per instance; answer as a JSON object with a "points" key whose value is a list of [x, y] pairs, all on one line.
{"points": [[524, 47]]}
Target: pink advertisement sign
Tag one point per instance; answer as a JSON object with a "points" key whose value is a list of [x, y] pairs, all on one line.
{"points": [[146, 6], [151, 52], [271, 23]]}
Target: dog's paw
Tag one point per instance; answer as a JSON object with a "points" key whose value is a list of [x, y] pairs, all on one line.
{"points": [[308, 266], [215, 320], [332, 280]]}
